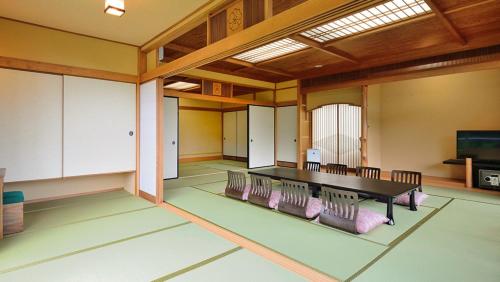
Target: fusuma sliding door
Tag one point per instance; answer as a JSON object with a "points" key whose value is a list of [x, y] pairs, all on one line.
{"points": [[229, 144], [171, 137], [260, 136], [286, 123]]}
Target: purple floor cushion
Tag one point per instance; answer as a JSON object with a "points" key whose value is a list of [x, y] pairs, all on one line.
{"points": [[274, 199], [405, 199], [246, 192], [368, 220], [313, 207]]}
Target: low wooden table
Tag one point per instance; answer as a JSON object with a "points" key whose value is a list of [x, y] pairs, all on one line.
{"points": [[382, 189], [2, 176]]}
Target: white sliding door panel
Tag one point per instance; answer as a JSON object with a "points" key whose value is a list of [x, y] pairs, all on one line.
{"points": [[261, 136], [99, 126], [241, 134], [287, 134], [229, 146], [30, 125], [171, 137], [147, 148]]}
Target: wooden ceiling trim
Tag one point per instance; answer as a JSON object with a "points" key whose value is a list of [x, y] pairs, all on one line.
{"points": [[229, 78], [468, 6], [331, 51], [471, 60], [446, 22], [309, 14], [187, 95], [188, 23]]}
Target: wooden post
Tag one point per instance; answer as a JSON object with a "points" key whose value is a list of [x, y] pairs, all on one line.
{"points": [[364, 127], [141, 68], [2, 175], [268, 9], [468, 172]]}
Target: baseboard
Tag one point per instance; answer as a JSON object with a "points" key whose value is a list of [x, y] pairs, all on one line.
{"points": [[286, 164], [148, 197], [199, 159], [72, 195], [234, 158]]}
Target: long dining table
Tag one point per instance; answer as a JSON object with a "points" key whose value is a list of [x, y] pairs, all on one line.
{"points": [[383, 190]]}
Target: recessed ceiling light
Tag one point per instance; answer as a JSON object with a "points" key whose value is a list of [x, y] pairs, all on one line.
{"points": [[383, 14], [180, 85], [271, 50], [114, 7]]}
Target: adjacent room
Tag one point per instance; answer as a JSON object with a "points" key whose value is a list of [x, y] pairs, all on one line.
{"points": [[250, 140]]}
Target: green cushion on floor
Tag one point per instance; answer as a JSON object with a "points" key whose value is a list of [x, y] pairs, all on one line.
{"points": [[13, 197]]}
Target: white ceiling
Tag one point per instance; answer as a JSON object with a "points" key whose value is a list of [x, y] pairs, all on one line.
{"points": [[143, 19]]}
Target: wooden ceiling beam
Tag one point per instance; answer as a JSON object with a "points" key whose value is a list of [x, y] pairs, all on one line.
{"points": [[446, 22], [303, 16], [187, 95], [331, 50]]}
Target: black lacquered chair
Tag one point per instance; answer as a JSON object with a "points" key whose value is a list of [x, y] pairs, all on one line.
{"points": [[336, 169], [368, 172], [312, 166]]}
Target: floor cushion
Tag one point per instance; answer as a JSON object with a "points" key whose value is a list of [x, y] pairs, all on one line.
{"points": [[368, 220], [13, 197], [313, 208], [405, 199], [274, 199], [246, 192]]}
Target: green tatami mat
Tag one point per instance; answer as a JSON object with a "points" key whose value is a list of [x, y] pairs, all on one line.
{"points": [[462, 194], [435, 201], [460, 243], [28, 248], [335, 253], [216, 187], [385, 234], [71, 214], [201, 171], [194, 180], [78, 200], [141, 259], [240, 266]]}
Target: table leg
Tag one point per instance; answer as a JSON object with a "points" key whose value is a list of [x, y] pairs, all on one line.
{"points": [[413, 205], [389, 211], [316, 190]]}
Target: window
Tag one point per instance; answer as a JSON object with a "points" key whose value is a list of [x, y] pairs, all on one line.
{"points": [[336, 132]]}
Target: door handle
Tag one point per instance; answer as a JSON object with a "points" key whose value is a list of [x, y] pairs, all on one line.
{"points": [[294, 140], [173, 142], [130, 133], [251, 140]]}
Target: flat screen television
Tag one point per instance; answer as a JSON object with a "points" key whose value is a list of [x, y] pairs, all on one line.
{"points": [[481, 145]]}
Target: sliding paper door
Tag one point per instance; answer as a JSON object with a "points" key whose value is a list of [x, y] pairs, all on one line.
{"points": [[286, 134], [171, 137], [241, 134], [260, 136], [229, 145]]}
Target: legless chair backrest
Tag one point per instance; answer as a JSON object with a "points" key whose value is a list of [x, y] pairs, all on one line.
{"points": [[312, 166], [261, 190], [368, 172], [236, 182], [339, 209], [406, 176], [336, 169], [294, 197]]}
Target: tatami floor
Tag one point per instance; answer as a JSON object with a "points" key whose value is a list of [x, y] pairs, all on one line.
{"points": [[453, 236]]}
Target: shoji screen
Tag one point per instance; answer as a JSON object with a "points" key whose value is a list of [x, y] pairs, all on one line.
{"points": [[260, 136], [336, 132], [171, 137], [30, 125], [286, 123], [229, 145], [148, 138], [241, 134], [99, 126]]}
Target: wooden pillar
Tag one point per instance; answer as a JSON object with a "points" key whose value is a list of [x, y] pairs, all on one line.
{"points": [[364, 126], [141, 68], [303, 126], [275, 128], [268, 9], [2, 176], [468, 172]]}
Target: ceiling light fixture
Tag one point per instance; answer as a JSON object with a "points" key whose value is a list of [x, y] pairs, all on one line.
{"points": [[271, 50], [181, 85], [114, 7], [381, 15]]}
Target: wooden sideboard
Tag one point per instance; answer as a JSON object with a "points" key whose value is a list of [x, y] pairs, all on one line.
{"points": [[2, 176]]}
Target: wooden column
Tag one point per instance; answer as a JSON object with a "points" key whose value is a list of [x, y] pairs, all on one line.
{"points": [[468, 172], [2, 176], [303, 126], [364, 127], [141, 68]]}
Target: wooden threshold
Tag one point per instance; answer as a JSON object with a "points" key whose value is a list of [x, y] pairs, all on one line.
{"points": [[74, 195], [28, 65], [284, 261], [148, 197]]}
